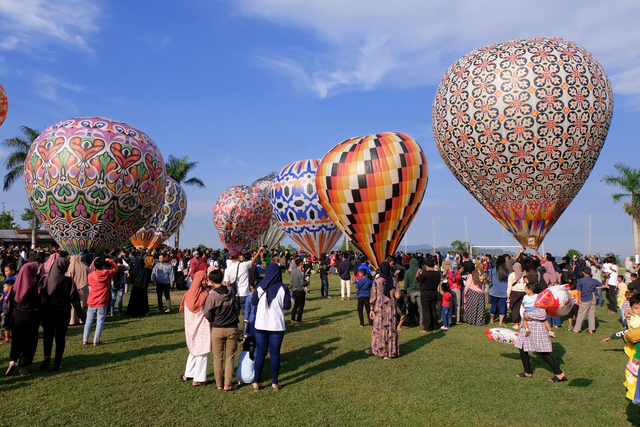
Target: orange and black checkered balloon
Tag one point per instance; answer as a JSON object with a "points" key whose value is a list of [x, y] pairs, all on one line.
{"points": [[372, 187]]}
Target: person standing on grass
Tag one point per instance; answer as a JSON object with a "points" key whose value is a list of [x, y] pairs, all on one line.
{"points": [[117, 286], [164, 279], [429, 281], [139, 279], [197, 330], [324, 270], [412, 288], [363, 288], [79, 273], [344, 269], [99, 284], [25, 315], [384, 334], [298, 291], [610, 269], [220, 311], [539, 342], [58, 296], [498, 291], [586, 287], [237, 275], [271, 298]]}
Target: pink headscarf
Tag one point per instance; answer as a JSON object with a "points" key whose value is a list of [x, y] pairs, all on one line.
{"points": [[517, 270], [550, 276], [26, 280], [52, 259]]}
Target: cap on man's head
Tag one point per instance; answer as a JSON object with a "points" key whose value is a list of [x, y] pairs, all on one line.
{"points": [[233, 254], [196, 253]]}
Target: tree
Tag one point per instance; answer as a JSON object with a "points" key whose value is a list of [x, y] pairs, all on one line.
{"points": [[352, 247], [628, 181], [30, 216], [459, 246], [178, 169], [571, 252], [6, 221], [15, 165]]}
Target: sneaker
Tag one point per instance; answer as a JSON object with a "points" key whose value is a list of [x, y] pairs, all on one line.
{"points": [[167, 311], [633, 368]]}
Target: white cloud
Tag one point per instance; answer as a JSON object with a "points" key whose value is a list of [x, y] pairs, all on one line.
{"points": [[48, 87], [412, 42], [28, 24]]}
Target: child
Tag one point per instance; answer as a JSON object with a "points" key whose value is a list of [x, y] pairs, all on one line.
{"points": [[446, 302], [631, 335], [574, 309], [363, 287], [246, 369], [6, 291], [249, 315], [528, 304], [625, 306], [100, 284]]}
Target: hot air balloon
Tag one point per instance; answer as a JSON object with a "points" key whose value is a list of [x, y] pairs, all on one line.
{"points": [[520, 124], [298, 210], [93, 182], [166, 220], [274, 234], [241, 214], [4, 105], [371, 187]]}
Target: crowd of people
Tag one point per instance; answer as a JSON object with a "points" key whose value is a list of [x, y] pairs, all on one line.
{"points": [[234, 297]]}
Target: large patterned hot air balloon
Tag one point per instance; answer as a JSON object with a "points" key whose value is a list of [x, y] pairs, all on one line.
{"points": [[521, 124], [167, 219], [93, 182], [274, 234], [298, 209], [241, 214], [4, 105], [372, 187]]}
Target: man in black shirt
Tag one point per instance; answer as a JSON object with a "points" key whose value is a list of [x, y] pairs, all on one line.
{"points": [[429, 281]]}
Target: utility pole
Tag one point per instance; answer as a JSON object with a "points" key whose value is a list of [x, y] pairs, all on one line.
{"points": [[433, 225], [466, 235], [589, 249]]}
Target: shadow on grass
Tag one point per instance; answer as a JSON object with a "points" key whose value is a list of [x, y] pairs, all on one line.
{"points": [[580, 382], [558, 352], [633, 414], [316, 321], [419, 342]]}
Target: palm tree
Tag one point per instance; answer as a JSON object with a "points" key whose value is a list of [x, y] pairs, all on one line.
{"points": [[628, 181], [178, 169], [15, 164]]}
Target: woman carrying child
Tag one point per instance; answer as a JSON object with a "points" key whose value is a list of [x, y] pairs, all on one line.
{"points": [[537, 340]]}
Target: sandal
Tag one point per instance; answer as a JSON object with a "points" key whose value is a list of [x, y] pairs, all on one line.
{"points": [[368, 351], [523, 375], [555, 379], [231, 388], [196, 384], [256, 388]]}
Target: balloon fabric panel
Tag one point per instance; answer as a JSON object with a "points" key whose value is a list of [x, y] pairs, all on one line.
{"points": [[521, 124], [93, 182], [298, 210], [372, 187], [167, 219], [4, 105], [274, 234]]}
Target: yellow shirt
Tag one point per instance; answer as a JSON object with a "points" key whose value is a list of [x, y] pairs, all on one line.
{"points": [[634, 322]]}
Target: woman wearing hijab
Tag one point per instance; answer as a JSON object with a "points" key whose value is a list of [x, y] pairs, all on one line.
{"points": [[384, 334], [474, 310], [197, 330], [26, 313], [515, 293], [271, 298], [59, 295], [78, 272], [139, 278], [498, 291]]}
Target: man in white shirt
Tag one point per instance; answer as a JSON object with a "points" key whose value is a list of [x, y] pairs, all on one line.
{"points": [[238, 271], [610, 269]]}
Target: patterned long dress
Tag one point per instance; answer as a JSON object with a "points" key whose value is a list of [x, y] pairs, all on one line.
{"points": [[538, 340], [384, 335], [197, 330]]}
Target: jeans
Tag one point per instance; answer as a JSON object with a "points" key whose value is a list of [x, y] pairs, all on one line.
{"points": [[116, 294], [554, 321], [363, 302], [268, 341], [241, 301], [324, 287], [298, 305], [446, 319], [599, 296], [100, 313], [498, 303], [415, 308]]}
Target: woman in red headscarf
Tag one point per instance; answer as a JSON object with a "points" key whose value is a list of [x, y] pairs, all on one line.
{"points": [[197, 330]]}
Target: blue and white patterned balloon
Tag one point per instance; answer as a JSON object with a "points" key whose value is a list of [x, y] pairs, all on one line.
{"points": [[298, 210]]}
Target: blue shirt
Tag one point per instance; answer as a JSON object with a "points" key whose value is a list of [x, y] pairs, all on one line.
{"points": [[587, 286], [498, 289], [363, 285]]}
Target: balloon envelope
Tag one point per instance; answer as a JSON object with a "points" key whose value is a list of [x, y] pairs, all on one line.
{"points": [[241, 214], [167, 219], [274, 234], [4, 105], [93, 182], [298, 209], [521, 124], [372, 187], [555, 300]]}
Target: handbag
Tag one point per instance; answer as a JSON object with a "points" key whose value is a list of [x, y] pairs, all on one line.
{"points": [[234, 284]]}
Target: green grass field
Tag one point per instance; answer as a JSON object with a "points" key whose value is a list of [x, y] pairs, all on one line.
{"points": [[452, 378]]}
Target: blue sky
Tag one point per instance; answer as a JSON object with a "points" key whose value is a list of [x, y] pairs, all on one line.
{"points": [[246, 87]]}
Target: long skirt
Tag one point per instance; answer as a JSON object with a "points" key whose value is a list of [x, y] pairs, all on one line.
{"points": [[139, 302], [84, 295], [474, 312]]}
